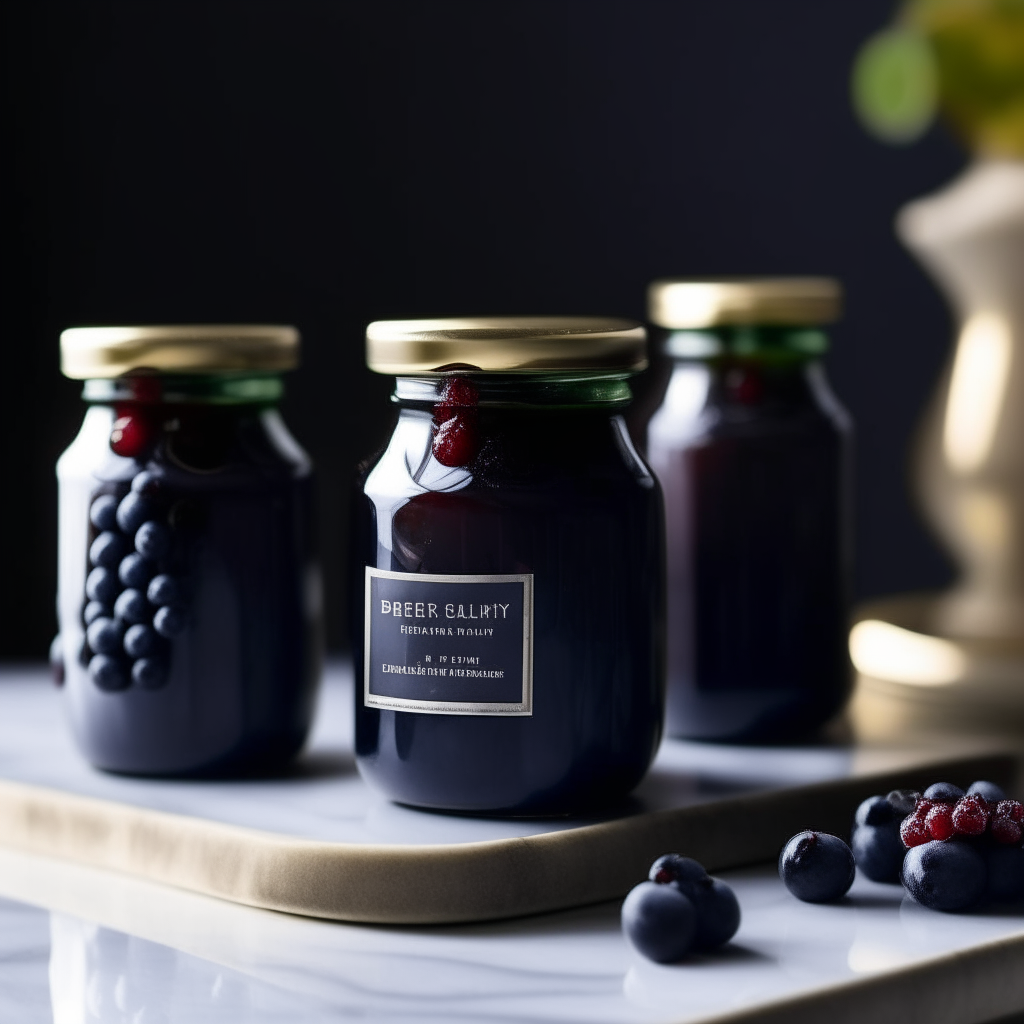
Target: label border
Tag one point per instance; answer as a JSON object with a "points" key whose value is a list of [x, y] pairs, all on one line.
{"points": [[439, 707]]}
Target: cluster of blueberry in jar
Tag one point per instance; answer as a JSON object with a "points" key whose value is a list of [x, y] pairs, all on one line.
{"points": [[134, 605], [681, 909]]}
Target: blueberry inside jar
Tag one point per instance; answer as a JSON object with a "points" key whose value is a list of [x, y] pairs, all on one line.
{"points": [[188, 587], [508, 571]]}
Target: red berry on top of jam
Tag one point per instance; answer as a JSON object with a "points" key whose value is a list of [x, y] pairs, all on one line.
{"points": [[132, 433], [456, 437]]}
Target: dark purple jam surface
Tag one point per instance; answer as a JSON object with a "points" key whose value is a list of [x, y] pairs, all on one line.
{"points": [[196, 651], [754, 464], [560, 494]]}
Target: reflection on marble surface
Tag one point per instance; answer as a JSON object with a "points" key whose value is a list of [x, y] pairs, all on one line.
{"points": [[125, 951], [323, 797]]}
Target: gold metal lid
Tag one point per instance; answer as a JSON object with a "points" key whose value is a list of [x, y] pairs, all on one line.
{"points": [[97, 352], [680, 305], [505, 344]]}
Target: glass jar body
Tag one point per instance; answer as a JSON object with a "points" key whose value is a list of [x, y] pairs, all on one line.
{"points": [[559, 495], [225, 679], [753, 452]]}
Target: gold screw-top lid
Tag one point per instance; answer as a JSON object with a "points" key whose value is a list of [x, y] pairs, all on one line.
{"points": [[505, 344], [97, 352], [680, 304]]}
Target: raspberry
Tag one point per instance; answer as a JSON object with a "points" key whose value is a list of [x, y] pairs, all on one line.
{"points": [[924, 806], [460, 392], [131, 435], [456, 441], [939, 821], [970, 816], [1012, 809], [914, 830], [1005, 830]]}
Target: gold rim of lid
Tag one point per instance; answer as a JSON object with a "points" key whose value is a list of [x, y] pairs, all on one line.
{"points": [[97, 352], [505, 344], [681, 304]]}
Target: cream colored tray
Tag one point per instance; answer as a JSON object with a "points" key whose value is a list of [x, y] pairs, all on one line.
{"points": [[318, 843]]}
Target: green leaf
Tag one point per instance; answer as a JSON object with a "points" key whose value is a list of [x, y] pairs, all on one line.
{"points": [[895, 85]]}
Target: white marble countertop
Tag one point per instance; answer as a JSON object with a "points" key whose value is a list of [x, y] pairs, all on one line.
{"points": [[118, 950], [78, 944]]}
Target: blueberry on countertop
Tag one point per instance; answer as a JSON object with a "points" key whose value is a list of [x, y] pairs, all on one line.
{"points": [[945, 875], [659, 921], [879, 851], [671, 867], [817, 867], [103, 512], [876, 810], [943, 791], [714, 903], [987, 790]]}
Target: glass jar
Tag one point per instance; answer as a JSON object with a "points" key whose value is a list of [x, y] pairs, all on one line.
{"points": [[753, 452], [509, 570], [188, 594]]}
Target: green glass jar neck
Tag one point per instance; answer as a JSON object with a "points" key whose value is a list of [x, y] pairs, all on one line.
{"points": [[548, 390], [766, 343], [187, 389]]}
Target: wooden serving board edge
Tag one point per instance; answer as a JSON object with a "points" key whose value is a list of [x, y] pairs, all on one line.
{"points": [[441, 884]]}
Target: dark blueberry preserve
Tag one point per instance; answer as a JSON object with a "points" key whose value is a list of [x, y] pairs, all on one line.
{"points": [[188, 589], [752, 450], [508, 561]]}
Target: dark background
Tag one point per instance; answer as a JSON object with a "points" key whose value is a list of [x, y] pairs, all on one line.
{"points": [[330, 163]]}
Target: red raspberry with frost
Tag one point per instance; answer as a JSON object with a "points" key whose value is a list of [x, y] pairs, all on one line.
{"points": [[940, 821], [456, 441], [1012, 809], [924, 806], [1005, 831], [970, 816], [914, 830], [459, 393]]}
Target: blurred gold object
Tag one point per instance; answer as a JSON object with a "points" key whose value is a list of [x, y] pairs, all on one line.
{"points": [[912, 681], [103, 352], [955, 661], [685, 304], [506, 344], [979, 52]]}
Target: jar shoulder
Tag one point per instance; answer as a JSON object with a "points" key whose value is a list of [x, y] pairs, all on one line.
{"points": [[703, 403]]}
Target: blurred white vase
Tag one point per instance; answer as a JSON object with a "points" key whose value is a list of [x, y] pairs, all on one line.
{"points": [[970, 455], [969, 477]]}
